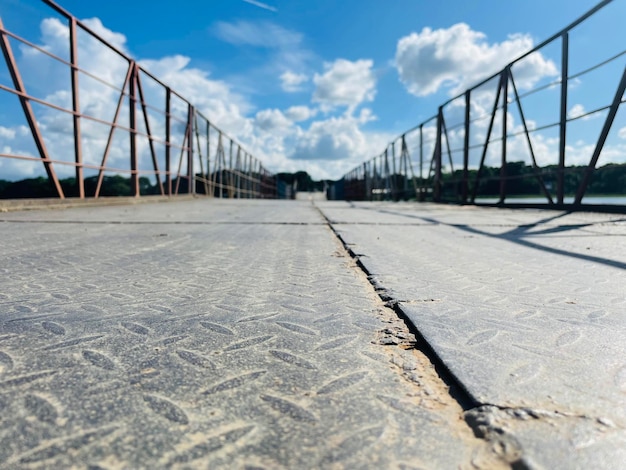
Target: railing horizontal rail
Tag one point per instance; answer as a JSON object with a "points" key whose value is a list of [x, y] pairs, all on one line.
{"points": [[430, 166], [182, 142]]}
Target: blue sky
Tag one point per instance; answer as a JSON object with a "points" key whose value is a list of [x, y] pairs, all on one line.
{"points": [[324, 85]]}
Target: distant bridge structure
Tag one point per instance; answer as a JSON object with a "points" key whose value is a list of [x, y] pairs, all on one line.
{"points": [[165, 145], [445, 158]]}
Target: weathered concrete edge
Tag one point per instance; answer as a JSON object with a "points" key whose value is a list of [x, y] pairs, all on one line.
{"points": [[13, 205]]}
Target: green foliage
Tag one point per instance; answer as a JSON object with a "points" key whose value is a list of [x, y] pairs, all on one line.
{"points": [[521, 180], [524, 180], [40, 187]]}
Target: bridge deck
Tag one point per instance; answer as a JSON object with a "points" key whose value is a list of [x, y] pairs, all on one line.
{"points": [[241, 334]]}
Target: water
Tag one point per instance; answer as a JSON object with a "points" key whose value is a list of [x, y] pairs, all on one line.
{"points": [[606, 200]]}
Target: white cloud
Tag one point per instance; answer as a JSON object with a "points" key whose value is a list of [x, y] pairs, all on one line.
{"points": [[291, 81], [458, 57], [345, 83], [257, 34], [339, 138], [272, 120], [622, 133], [213, 98], [7, 133], [15, 169], [300, 113], [579, 111], [271, 134], [117, 40], [576, 111], [573, 83], [283, 49]]}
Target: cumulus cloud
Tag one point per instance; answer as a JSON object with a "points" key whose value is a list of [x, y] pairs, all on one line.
{"points": [[291, 82], [458, 57], [622, 133], [300, 113], [214, 98], [14, 169], [7, 133], [274, 136], [338, 138], [117, 40], [345, 83], [272, 120]]}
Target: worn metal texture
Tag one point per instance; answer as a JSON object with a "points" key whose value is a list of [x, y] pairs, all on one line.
{"points": [[525, 308], [208, 334]]}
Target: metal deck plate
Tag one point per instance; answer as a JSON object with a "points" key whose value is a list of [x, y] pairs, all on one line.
{"points": [[206, 334], [525, 308]]}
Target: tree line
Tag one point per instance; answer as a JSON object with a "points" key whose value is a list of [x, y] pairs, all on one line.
{"points": [[524, 180], [521, 180]]}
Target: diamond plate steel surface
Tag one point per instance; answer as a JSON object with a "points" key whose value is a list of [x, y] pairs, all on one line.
{"points": [[206, 334], [526, 308]]}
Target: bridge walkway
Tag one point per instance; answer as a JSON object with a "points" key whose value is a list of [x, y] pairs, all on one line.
{"points": [[298, 334]]}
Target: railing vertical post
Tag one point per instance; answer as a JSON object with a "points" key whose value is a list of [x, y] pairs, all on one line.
{"points": [[254, 186], [606, 128], [466, 145], [421, 194], [505, 112], [394, 190], [219, 162], [388, 189], [437, 156], [168, 142], [487, 138], [406, 159], [244, 175], [78, 148], [248, 175], [18, 83], [377, 177], [191, 189], [238, 174], [560, 185], [383, 179], [132, 108], [230, 170], [260, 181], [366, 183], [208, 159]]}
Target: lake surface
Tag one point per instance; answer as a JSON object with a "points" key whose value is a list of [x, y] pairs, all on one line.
{"points": [[610, 200]]}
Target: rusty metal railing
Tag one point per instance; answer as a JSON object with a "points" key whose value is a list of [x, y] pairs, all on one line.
{"points": [[463, 155], [156, 138]]}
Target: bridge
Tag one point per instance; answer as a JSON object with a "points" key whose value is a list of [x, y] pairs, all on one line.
{"points": [[202, 323]]}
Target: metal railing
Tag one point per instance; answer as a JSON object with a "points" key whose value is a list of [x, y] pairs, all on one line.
{"points": [[444, 158], [157, 138]]}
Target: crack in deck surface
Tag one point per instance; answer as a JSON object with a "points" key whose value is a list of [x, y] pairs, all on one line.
{"points": [[532, 331]]}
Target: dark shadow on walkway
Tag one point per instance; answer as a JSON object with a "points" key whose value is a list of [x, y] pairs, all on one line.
{"points": [[519, 240], [519, 234]]}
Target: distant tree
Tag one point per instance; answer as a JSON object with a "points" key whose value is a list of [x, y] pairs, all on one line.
{"points": [[521, 180]]}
